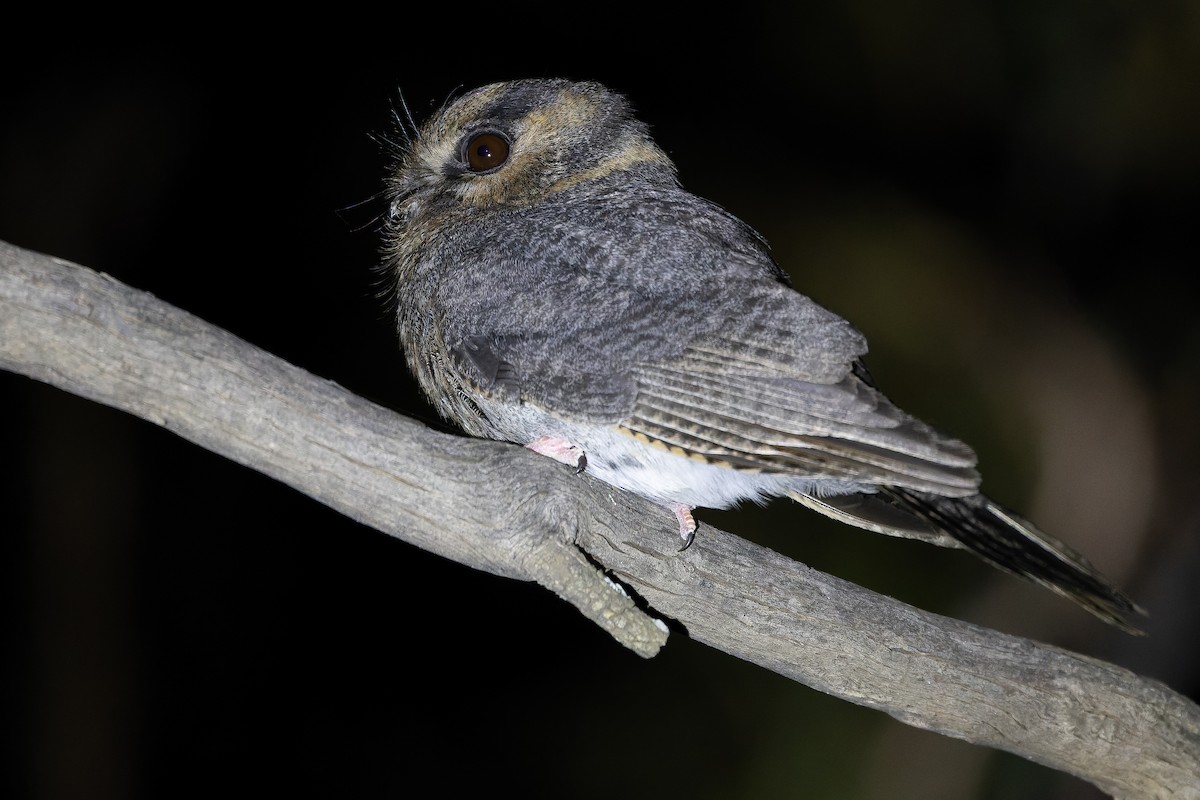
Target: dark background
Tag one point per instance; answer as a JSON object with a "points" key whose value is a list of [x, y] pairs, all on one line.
{"points": [[1000, 195]]}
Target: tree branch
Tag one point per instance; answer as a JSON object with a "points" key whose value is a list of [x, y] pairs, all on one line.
{"points": [[504, 510]]}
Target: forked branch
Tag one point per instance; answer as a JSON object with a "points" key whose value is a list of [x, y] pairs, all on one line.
{"points": [[504, 510]]}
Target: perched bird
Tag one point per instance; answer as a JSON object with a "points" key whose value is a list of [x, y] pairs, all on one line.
{"points": [[558, 288]]}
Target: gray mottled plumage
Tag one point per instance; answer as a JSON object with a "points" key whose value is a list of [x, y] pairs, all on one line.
{"points": [[556, 284]]}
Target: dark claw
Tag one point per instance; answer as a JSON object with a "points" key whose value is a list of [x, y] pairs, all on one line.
{"points": [[691, 537]]}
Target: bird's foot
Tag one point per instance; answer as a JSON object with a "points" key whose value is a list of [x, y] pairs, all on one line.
{"points": [[561, 451], [687, 524]]}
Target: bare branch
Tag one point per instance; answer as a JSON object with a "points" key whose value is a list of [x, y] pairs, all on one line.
{"points": [[504, 510]]}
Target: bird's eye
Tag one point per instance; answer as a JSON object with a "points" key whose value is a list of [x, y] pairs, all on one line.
{"points": [[486, 152]]}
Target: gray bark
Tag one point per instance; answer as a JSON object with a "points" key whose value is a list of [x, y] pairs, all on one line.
{"points": [[502, 509]]}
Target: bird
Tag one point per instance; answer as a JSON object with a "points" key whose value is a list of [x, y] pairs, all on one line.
{"points": [[556, 287]]}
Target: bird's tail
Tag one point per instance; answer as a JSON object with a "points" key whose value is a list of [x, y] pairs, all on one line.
{"points": [[991, 532]]}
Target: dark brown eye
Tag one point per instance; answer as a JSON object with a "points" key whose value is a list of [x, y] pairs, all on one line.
{"points": [[486, 151]]}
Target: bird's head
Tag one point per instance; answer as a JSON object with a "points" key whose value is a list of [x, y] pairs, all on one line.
{"points": [[517, 143]]}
